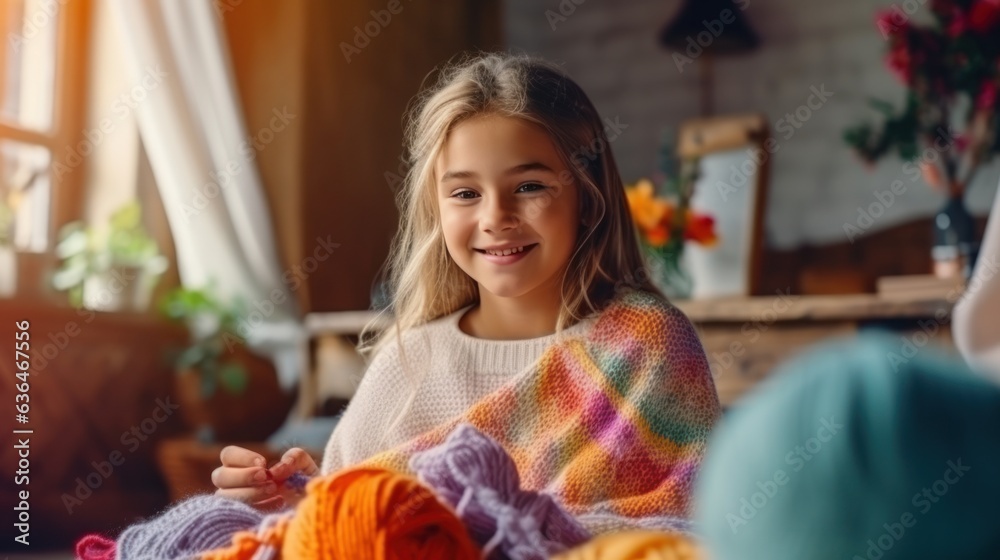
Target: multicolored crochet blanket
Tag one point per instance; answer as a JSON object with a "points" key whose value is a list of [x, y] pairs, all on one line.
{"points": [[612, 424]]}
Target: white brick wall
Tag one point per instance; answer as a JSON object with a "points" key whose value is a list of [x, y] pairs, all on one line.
{"points": [[609, 47]]}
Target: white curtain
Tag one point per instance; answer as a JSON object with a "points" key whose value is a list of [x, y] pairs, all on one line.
{"points": [[191, 125], [976, 319]]}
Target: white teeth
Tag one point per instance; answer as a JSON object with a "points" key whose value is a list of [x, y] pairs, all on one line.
{"points": [[505, 252]]}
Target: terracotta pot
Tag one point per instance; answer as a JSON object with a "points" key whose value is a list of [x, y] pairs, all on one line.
{"points": [[251, 416]]}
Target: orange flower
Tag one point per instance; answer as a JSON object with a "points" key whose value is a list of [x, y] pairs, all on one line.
{"points": [[647, 210], [660, 235], [654, 217], [700, 228]]}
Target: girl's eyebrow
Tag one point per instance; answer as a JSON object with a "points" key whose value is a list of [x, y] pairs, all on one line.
{"points": [[524, 167]]}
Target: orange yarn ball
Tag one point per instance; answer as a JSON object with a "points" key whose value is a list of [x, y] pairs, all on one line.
{"points": [[370, 513], [246, 544], [364, 513]]}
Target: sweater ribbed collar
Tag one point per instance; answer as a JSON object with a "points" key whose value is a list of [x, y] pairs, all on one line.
{"points": [[501, 356]]}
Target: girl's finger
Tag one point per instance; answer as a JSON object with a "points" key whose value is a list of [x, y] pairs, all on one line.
{"points": [[270, 504], [233, 456], [249, 495], [232, 477], [294, 460]]}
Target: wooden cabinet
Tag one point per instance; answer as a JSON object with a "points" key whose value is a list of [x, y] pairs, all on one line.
{"points": [[746, 338], [101, 398]]}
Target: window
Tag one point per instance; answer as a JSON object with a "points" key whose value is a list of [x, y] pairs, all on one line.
{"points": [[42, 61]]}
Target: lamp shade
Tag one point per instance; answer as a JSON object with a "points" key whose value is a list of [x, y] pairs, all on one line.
{"points": [[711, 26]]}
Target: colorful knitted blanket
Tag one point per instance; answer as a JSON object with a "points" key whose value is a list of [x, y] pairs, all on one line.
{"points": [[612, 424]]}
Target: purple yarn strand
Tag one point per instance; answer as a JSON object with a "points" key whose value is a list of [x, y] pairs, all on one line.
{"points": [[474, 474], [297, 482]]}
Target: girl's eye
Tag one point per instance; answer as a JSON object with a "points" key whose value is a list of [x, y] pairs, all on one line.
{"points": [[473, 194], [532, 187]]}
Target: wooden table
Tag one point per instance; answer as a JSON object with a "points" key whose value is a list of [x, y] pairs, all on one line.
{"points": [[746, 338]]}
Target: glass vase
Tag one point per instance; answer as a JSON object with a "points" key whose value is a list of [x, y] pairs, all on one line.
{"points": [[955, 247], [667, 271]]}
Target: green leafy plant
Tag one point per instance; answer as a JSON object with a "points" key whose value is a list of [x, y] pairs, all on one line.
{"points": [[128, 243], [84, 251], [213, 328]]}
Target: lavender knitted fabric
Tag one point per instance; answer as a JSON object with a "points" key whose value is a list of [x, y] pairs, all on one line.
{"points": [[187, 529], [475, 475]]}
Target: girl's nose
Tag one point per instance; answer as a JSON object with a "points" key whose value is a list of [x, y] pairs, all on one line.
{"points": [[498, 216]]}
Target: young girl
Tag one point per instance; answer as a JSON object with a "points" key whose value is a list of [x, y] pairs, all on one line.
{"points": [[515, 239]]}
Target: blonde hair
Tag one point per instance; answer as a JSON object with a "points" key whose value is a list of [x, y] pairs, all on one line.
{"points": [[424, 282]]}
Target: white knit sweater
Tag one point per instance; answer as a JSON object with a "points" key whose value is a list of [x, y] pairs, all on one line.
{"points": [[456, 369], [975, 323]]}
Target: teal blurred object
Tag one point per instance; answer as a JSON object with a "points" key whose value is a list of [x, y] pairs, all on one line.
{"points": [[855, 452]]}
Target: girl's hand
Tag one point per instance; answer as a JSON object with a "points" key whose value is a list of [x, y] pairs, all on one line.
{"points": [[243, 477], [295, 460]]}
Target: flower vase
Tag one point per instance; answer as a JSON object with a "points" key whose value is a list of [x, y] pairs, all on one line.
{"points": [[667, 272], [955, 247]]}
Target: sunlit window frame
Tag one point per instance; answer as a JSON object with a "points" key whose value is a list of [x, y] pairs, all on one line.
{"points": [[69, 106]]}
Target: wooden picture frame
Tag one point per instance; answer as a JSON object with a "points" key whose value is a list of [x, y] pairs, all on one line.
{"points": [[740, 247]]}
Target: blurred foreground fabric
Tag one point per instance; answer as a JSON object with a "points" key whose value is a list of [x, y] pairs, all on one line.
{"points": [[855, 451]]}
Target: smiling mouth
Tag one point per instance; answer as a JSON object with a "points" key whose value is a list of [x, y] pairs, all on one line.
{"points": [[507, 252]]}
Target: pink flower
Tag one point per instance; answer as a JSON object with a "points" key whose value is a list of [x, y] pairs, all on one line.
{"points": [[952, 17], [900, 63], [943, 6], [891, 23], [958, 25], [961, 142], [987, 97], [984, 16]]}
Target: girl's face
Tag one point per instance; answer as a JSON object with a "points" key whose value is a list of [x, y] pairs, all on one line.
{"points": [[500, 186]]}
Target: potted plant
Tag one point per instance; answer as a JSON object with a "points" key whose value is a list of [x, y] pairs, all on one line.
{"points": [[225, 392], [111, 270], [951, 71]]}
